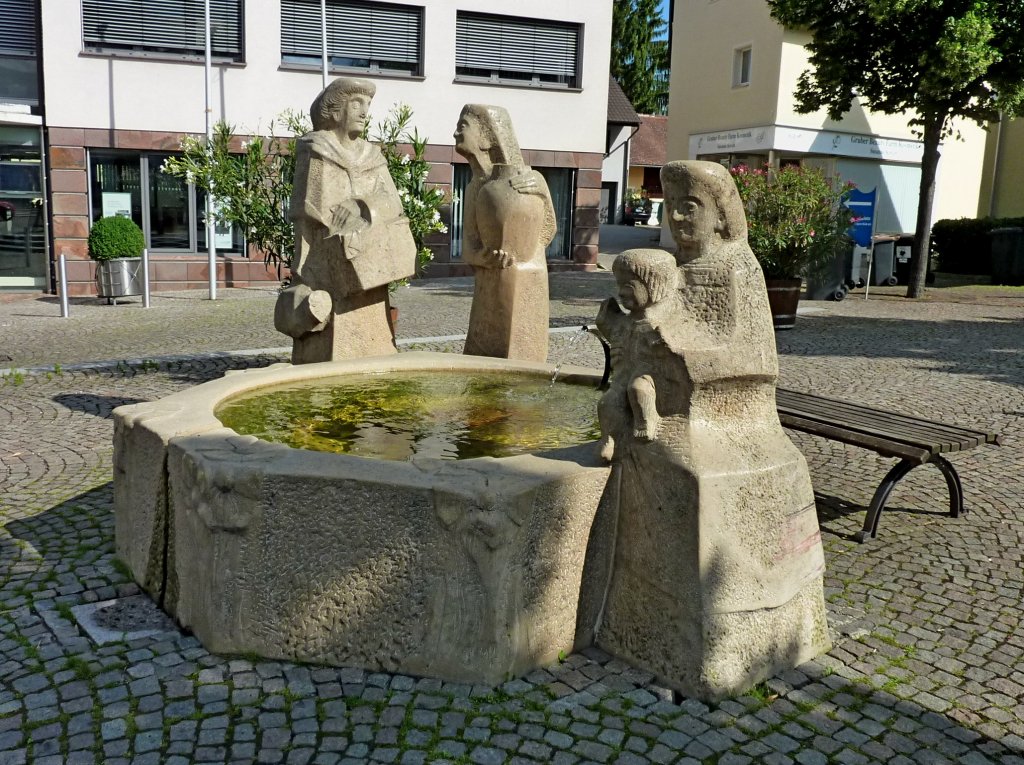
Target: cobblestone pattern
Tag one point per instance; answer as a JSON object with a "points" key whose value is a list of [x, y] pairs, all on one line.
{"points": [[928, 665], [32, 333]]}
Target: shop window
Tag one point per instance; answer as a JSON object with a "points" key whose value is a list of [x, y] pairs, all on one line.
{"points": [[170, 211], [361, 36], [168, 27], [19, 68], [742, 60], [517, 51]]}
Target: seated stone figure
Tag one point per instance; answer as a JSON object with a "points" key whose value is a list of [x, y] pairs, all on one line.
{"points": [[508, 221], [351, 237], [716, 572]]}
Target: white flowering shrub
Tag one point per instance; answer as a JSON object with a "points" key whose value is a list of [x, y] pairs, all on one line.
{"points": [[251, 188], [422, 202]]}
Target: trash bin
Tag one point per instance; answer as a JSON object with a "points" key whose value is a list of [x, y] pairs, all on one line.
{"points": [[883, 265], [904, 254], [857, 274], [1008, 256], [829, 281]]}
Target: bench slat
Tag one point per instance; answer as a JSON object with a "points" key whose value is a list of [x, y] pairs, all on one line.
{"points": [[894, 444], [884, 425], [883, 446], [856, 413], [987, 437]]}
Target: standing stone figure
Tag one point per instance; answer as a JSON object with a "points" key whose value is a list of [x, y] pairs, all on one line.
{"points": [[351, 237], [508, 222], [716, 576]]}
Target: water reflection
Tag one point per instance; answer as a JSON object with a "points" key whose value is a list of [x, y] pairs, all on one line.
{"points": [[398, 416]]}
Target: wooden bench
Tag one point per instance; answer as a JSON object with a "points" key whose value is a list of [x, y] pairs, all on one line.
{"points": [[911, 440]]}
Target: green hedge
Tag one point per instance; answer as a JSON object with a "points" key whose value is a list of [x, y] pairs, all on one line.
{"points": [[115, 237], [963, 245]]}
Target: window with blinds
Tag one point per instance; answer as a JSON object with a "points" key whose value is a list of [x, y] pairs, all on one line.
{"points": [[176, 27], [19, 68], [364, 36], [521, 51], [17, 28]]}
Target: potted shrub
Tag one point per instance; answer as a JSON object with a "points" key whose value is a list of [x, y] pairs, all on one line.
{"points": [[796, 226], [116, 244]]}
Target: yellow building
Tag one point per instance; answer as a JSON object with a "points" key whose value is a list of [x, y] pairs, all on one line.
{"points": [[1002, 185], [732, 101]]}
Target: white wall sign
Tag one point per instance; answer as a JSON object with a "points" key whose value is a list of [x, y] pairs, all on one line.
{"points": [[117, 203], [223, 238], [806, 141]]}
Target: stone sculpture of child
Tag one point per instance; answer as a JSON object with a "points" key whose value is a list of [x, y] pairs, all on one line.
{"points": [[647, 289]]}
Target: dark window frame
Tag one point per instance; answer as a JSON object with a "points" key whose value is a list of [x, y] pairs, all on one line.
{"points": [[341, 59], [498, 72], [132, 40], [148, 161]]}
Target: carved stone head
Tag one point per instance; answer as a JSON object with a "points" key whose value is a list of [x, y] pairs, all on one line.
{"points": [[645, 277], [343, 104], [484, 129], [702, 203]]}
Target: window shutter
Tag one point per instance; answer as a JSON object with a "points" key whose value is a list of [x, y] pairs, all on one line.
{"points": [[176, 26], [18, 27], [500, 43], [360, 30]]}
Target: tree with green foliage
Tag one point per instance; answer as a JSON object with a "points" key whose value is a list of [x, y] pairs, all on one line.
{"points": [[934, 60], [640, 54]]}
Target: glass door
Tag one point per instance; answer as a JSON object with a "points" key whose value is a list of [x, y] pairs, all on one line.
{"points": [[22, 224], [171, 202]]}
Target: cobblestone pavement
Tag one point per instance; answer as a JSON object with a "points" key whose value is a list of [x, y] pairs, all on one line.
{"points": [[928, 662]]}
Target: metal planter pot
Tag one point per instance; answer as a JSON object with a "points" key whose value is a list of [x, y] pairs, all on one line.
{"points": [[119, 277]]}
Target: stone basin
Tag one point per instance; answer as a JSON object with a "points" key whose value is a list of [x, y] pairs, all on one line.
{"points": [[468, 570]]}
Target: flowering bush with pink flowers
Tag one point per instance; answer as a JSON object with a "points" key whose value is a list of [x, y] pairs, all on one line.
{"points": [[796, 221]]}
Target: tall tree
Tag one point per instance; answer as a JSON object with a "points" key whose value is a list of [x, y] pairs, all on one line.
{"points": [[934, 60], [640, 54]]}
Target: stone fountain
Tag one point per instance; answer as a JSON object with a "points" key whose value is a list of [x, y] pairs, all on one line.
{"points": [[482, 569]]}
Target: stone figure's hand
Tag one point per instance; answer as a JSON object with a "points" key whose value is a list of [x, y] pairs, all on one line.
{"points": [[504, 259], [526, 183], [345, 219]]}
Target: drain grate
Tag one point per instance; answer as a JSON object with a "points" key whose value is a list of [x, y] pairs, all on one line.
{"points": [[123, 619]]}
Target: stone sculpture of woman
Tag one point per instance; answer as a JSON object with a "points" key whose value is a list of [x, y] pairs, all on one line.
{"points": [[716, 580], [508, 222], [351, 237]]}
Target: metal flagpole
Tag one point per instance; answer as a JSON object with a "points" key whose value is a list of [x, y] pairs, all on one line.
{"points": [[211, 247], [323, 38]]}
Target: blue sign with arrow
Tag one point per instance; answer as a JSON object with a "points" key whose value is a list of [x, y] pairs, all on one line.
{"points": [[862, 205]]}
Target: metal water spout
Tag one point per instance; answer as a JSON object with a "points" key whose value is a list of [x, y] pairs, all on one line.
{"points": [[607, 354]]}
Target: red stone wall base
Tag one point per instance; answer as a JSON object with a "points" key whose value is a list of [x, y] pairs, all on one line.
{"points": [[180, 272]]}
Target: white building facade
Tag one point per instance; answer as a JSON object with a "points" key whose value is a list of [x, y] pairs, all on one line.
{"points": [[122, 80]]}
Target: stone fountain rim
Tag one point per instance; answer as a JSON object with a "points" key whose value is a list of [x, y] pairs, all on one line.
{"points": [[189, 414]]}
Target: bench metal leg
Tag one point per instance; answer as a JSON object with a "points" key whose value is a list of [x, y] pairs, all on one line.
{"points": [[894, 476], [956, 490]]}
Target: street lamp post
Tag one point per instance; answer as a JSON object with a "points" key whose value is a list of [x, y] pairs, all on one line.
{"points": [[211, 247]]}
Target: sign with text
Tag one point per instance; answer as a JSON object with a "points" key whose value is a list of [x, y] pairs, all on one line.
{"points": [[117, 203], [759, 140], [862, 205]]}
